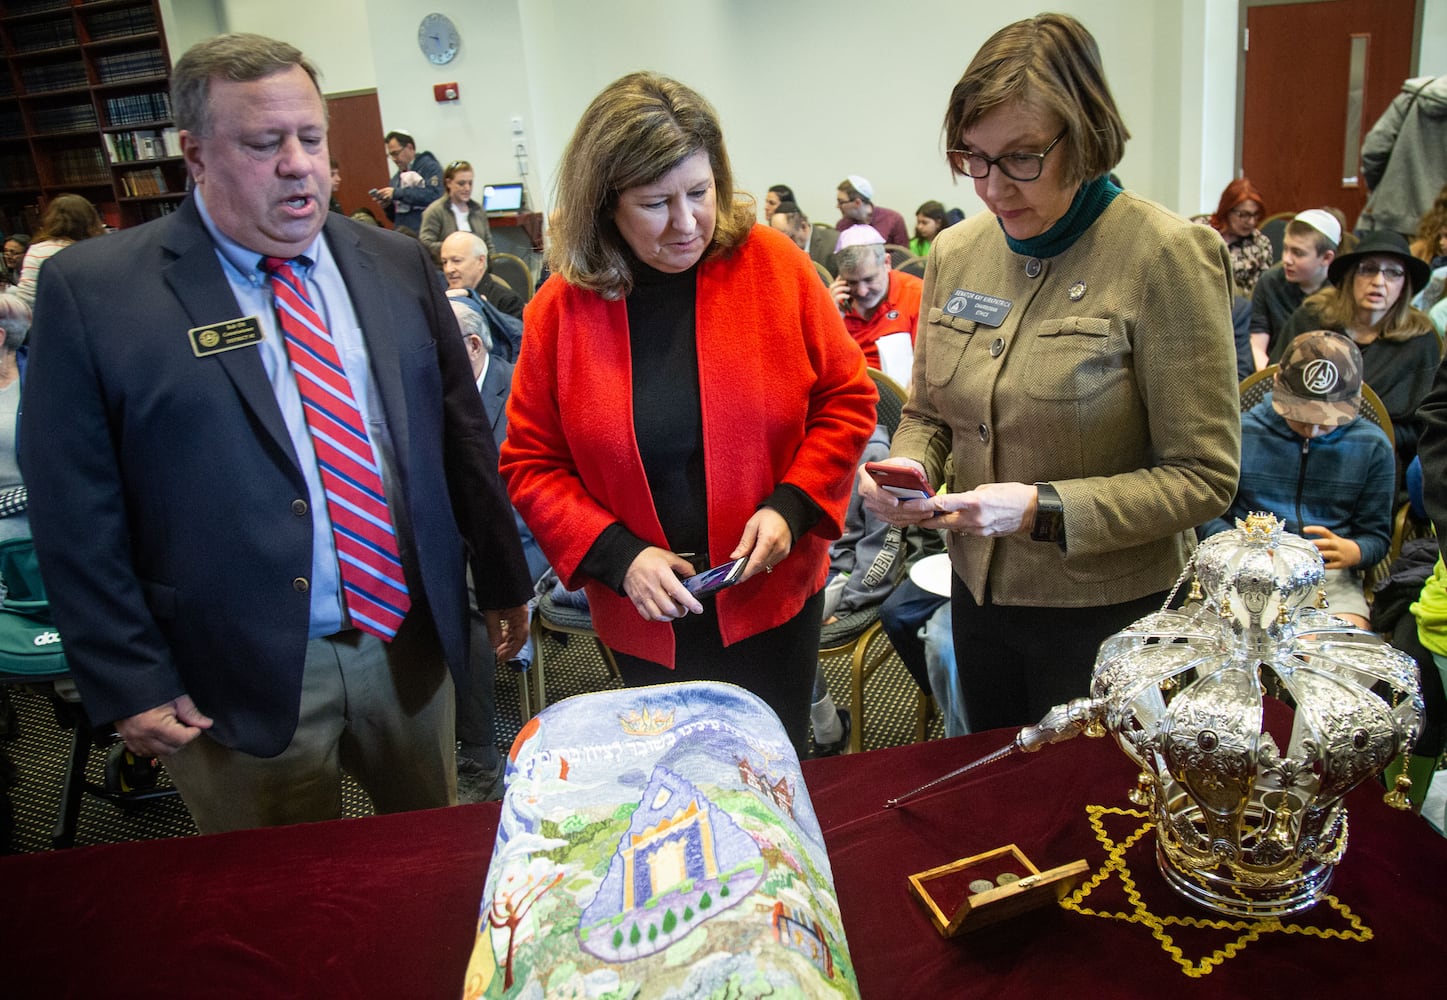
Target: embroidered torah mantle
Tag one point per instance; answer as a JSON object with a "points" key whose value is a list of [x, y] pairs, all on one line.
{"points": [[658, 842]]}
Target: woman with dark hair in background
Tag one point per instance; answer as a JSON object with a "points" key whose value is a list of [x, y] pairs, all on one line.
{"points": [[776, 196], [1430, 243], [68, 219], [1369, 300], [1236, 218], [15, 246], [686, 397], [1075, 360]]}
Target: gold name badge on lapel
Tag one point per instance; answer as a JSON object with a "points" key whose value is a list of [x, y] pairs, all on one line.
{"points": [[228, 336]]}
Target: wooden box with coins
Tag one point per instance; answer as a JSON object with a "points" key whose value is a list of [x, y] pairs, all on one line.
{"points": [[975, 892]]}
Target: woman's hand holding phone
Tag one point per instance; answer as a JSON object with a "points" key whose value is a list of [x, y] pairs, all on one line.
{"points": [[654, 583], [904, 474]]}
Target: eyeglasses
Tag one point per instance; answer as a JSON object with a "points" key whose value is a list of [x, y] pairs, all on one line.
{"points": [[1016, 166], [1370, 269], [1245, 213]]}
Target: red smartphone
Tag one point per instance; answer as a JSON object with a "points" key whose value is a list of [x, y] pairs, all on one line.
{"points": [[905, 482]]}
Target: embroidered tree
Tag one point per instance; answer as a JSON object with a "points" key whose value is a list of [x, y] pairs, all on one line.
{"points": [[514, 898]]}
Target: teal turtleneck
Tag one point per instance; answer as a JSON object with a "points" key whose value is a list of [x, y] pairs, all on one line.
{"points": [[1090, 201]]}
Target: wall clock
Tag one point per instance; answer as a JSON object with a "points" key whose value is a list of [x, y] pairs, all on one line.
{"points": [[438, 38]]}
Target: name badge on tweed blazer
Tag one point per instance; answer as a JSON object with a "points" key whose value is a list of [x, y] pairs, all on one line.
{"points": [[227, 336], [987, 310]]}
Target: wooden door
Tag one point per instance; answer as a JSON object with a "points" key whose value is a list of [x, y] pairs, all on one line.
{"points": [[1299, 94], [355, 138]]}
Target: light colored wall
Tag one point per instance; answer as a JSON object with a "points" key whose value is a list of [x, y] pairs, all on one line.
{"points": [[790, 115], [189, 21], [1433, 61], [489, 69]]}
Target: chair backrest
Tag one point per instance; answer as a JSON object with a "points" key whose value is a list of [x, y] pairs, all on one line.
{"points": [[1275, 229], [892, 397], [1255, 386], [897, 254], [514, 271], [913, 265], [30, 648], [20, 569]]}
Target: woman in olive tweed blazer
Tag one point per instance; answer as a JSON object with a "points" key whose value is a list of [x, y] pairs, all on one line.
{"points": [[1076, 362]]}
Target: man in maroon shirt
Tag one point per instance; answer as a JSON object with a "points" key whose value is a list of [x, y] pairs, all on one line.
{"points": [[855, 199]]}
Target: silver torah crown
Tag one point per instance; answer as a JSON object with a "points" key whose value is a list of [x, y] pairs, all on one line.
{"points": [[1243, 827]]}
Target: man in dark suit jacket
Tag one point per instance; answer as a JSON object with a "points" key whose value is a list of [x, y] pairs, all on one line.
{"points": [[817, 241], [178, 509], [479, 765]]}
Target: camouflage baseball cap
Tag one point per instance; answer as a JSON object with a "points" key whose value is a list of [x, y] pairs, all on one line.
{"points": [[1320, 380]]}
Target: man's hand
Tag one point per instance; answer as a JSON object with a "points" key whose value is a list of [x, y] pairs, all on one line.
{"points": [[766, 541], [382, 196], [1337, 552], [654, 586], [839, 289], [164, 729], [507, 630]]}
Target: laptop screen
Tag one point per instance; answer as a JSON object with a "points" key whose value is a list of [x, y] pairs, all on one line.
{"points": [[502, 198]]}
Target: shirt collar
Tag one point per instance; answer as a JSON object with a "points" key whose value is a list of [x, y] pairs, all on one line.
{"points": [[245, 261]]}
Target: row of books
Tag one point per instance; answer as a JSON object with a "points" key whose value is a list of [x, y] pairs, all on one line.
{"points": [[142, 144], [120, 23], [120, 66], [69, 118], [137, 108], [17, 7], [18, 170], [12, 126], [155, 209], [53, 76], [41, 35], [140, 183], [79, 166]]}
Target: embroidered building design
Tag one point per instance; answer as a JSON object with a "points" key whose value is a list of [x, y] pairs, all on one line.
{"points": [[681, 861]]}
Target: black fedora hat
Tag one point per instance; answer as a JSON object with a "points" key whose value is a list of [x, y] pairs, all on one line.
{"points": [[1382, 241]]}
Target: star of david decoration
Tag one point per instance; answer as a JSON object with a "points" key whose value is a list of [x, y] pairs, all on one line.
{"points": [[1197, 944]]}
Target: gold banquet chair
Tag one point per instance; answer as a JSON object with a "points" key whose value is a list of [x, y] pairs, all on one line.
{"points": [[32, 655], [514, 271], [560, 619]]}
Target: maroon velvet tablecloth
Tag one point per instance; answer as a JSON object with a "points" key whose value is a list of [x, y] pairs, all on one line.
{"points": [[384, 906]]}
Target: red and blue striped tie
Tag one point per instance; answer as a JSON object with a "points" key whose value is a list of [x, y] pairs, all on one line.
{"points": [[372, 580]]}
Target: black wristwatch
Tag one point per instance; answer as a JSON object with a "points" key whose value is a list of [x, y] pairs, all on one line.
{"points": [[1049, 523]]}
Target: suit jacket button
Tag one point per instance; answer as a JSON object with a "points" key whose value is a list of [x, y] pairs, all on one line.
{"points": [[1032, 267], [997, 347], [984, 433], [300, 585], [299, 508]]}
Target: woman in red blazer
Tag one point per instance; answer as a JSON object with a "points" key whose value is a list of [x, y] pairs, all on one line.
{"points": [[686, 396]]}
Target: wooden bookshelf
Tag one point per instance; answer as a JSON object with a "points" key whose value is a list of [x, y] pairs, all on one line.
{"points": [[85, 107]]}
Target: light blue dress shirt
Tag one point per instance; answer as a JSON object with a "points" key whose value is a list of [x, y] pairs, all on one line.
{"points": [[328, 293]]}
